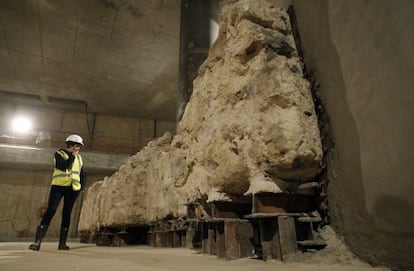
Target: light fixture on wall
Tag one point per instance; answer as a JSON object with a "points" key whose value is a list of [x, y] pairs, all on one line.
{"points": [[21, 124]]}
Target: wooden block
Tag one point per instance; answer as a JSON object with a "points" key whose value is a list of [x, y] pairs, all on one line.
{"points": [[177, 238], [277, 237], [271, 215], [308, 219], [190, 237], [168, 238], [233, 239], [220, 240], [311, 244], [119, 240], [237, 236], [269, 238], [287, 235], [159, 239], [150, 238], [212, 244], [204, 238], [103, 240], [183, 238]]}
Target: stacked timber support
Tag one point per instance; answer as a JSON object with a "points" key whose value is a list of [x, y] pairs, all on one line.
{"points": [[232, 238], [121, 236], [112, 237], [264, 225], [171, 233], [226, 233], [193, 234], [283, 223]]}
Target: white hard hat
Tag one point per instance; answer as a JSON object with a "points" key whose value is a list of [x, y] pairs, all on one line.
{"points": [[75, 138]]}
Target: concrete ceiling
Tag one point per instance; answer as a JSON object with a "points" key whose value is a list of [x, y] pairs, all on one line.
{"points": [[117, 57]]}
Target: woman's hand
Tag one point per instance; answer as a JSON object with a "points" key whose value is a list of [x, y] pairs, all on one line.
{"points": [[74, 150]]}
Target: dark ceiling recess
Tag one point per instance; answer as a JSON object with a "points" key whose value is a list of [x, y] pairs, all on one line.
{"points": [[65, 101], [25, 99], [18, 96]]}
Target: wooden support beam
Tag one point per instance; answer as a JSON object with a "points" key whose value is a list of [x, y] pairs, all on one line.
{"points": [[177, 238], [192, 236], [212, 236], [277, 237], [168, 238], [238, 235], [119, 239], [183, 238], [220, 240], [151, 238], [205, 246], [269, 238], [287, 235], [233, 239], [159, 238]]}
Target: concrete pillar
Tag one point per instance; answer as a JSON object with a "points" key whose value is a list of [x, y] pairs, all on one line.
{"points": [[194, 45]]}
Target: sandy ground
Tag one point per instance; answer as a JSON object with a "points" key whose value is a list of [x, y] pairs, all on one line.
{"points": [[16, 256]]}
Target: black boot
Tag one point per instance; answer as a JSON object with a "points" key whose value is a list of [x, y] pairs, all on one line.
{"points": [[40, 233], [62, 239]]}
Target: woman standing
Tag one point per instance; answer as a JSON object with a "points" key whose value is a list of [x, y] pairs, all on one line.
{"points": [[67, 181]]}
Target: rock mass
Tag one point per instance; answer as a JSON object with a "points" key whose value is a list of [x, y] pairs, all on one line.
{"points": [[250, 126]]}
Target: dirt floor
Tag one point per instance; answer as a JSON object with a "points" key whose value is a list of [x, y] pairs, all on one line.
{"points": [[16, 256]]}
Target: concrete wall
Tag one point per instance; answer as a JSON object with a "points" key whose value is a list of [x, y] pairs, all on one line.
{"points": [[25, 174], [362, 53], [22, 193], [102, 133]]}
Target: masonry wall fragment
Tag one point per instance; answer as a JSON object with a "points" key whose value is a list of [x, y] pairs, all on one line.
{"points": [[249, 127]]}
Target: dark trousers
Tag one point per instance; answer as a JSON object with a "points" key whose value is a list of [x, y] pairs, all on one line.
{"points": [[56, 194]]}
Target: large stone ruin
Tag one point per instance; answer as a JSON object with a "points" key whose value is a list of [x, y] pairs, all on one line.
{"points": [[249, 127]]}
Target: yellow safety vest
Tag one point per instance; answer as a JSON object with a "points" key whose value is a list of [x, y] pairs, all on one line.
{"points": [[71, 176]]}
